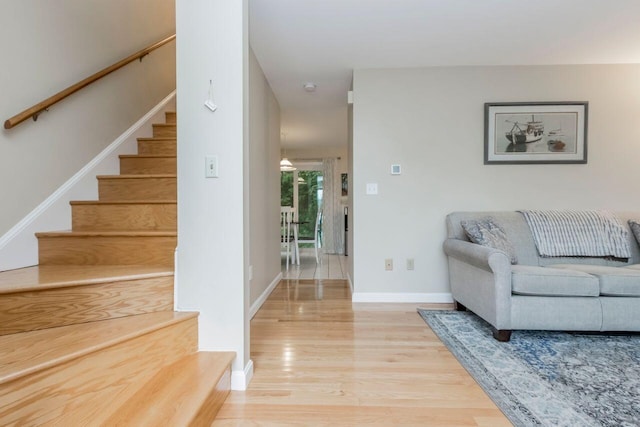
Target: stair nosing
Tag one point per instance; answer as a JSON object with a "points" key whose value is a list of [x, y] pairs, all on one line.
{"points": [[138, 176], [107, 233], [51, 362], [158, 138], [124, 202], [87, 281], [148, 156]]}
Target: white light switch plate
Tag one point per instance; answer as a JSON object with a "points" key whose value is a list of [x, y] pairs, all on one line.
{"points": [[372, 188], [211, 166]]}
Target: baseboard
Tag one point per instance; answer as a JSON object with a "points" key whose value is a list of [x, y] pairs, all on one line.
{"points": [[240, 379], [439, 298], [19, 247], [350, 282], [263, 297]]}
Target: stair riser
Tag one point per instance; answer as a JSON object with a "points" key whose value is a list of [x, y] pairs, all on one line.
{"points": [[107, 250], [125, 217], [85, 390], [170, 117], [164, 131], [147, 165], [50, 308], [165, 147], [113, 189]]}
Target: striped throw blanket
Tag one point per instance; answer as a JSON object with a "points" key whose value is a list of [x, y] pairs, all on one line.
{"points": [[578, 233]]}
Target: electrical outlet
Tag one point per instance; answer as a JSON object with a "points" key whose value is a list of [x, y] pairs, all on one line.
{"points": [[388, 264], [410, 264]]}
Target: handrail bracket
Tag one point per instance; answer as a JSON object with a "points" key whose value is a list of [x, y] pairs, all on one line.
{"points": [[37, 113]]}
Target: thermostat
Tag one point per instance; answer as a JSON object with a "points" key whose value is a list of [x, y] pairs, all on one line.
{"points": [[395, 170]]}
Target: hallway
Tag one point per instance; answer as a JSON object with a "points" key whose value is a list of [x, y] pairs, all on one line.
{"points": [[332, 266], [320, 360]]}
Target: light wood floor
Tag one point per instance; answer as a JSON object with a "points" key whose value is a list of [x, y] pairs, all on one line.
{"points": [[321, 361], [330, 267]]}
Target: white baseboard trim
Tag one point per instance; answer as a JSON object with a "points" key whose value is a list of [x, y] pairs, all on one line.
{"points": [[240, 379], [262, 298], [439, 298], [24, 245]]}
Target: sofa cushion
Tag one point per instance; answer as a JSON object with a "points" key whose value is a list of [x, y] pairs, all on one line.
{"points": [[486, 232], [614, 281], [546, 281]]}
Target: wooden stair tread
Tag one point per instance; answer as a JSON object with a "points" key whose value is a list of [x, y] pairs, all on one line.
{"points": [[60, 276], [147, 156], [29, 352], [176, 394], [136, 176], [159, 138], [122, 202], [107, 234]]}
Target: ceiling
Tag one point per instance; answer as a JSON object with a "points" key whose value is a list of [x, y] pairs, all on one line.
{"points": [[323, 41]]}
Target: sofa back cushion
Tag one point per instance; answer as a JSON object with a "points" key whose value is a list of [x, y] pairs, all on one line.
{"points": [[517, 230]]}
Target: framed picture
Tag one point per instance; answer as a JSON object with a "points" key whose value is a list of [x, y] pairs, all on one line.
{"points": [[345, 184], [535, 132]]}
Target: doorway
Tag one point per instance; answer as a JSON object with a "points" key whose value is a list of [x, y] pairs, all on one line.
{"points": [[302, 190], [305, 190]]}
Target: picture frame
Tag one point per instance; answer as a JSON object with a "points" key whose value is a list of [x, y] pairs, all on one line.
{"points": [[344, 181], [535, 132]]}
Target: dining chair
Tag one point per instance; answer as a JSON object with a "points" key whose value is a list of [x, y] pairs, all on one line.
{"points": [[317, 236], [288, 233]]}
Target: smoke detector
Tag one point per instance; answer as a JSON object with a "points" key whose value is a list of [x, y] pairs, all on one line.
{"points": [[309, 87]]}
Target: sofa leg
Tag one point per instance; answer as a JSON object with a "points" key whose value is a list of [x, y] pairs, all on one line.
{"points": [[502, 335], [458, 306]]}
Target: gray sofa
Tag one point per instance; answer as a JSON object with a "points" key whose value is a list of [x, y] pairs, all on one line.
{"points": [[541, 293]]}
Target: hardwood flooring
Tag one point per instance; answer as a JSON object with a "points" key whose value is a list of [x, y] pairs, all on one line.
{"points": [[331, 266], [320, 360]]}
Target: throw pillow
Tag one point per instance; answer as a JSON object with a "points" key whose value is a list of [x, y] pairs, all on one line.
{"points": [[635, 227], [486, 232]]}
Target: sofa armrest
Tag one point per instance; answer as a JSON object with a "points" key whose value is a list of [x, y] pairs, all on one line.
{"points": [[480, 279], [483, 257]]}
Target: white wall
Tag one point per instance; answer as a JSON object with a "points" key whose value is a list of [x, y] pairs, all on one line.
{"points": [[213, 219], [49, 46], [264, 183], [431, 122]]}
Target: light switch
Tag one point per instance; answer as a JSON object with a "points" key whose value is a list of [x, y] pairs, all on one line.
{"points": [[372, 188], [211, 166]]}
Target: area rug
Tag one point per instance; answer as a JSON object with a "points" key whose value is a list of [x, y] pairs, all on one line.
{"points": [[548, 378]]}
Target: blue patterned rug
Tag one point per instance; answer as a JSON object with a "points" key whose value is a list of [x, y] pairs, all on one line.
{"points": [[548, 378]]}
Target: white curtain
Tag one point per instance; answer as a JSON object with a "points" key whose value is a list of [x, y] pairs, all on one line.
{"points": [[331, 209]]}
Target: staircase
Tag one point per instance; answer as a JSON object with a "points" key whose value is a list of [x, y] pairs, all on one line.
{"points": [[89, 336]]}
